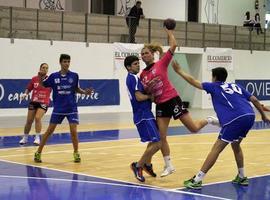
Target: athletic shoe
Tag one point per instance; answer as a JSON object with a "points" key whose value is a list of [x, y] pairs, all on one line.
{"points": [[37, 140], [77, 157], [240, 181], [37, 157], [24, 140], [212, 120], [167, 171], [137, 172], [149, 170], [191, 184]]}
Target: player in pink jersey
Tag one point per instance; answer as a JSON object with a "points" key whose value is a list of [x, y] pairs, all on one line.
{"points": [[38, 105], [168, 102]]}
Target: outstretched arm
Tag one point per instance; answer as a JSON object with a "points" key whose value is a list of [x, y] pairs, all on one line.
{"points": [[259, 107], [172, 40], [190, 79], [84, 91]]}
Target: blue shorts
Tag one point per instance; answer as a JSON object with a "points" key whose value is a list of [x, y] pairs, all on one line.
{"points": [[58, 118], [148, 130], [237, 129]]}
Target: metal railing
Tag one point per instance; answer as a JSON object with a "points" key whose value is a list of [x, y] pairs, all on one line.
{"points": [[71, 26]]}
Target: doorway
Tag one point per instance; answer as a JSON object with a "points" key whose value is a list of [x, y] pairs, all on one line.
{"points": [[193, 10]]}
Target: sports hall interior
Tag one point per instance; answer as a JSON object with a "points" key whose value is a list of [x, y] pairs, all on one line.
{"points": [[90, 32]]}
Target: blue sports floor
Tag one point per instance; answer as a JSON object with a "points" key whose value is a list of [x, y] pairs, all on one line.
{"points": [[24, 182]]}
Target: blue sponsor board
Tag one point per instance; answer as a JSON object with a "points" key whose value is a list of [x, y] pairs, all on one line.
{"points": [[106, 92], [259, 88]]}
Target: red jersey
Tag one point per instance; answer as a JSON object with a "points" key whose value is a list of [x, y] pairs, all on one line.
{"points": [[156, 82], [39, 93]]}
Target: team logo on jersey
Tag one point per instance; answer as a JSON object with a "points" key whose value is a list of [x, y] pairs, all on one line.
{"points": [[57, 80], [144, 80], [70, 80], [36, 85]]}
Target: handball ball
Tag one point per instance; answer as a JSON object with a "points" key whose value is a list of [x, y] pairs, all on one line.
{"points": [[169, 24]]}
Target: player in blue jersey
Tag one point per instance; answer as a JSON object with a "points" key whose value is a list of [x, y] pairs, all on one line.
{"points": [[143, 118], [231, 103], [65, 85]]}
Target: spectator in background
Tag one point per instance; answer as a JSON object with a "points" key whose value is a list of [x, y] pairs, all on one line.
{"points": [[248, 22], [257, 24], [133, 19]]}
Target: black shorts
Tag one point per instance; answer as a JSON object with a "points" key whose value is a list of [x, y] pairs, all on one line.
{"points": [[35, 105], [172, 108]]}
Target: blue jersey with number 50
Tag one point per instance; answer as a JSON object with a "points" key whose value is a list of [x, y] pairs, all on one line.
{"points": [[230, 101]]}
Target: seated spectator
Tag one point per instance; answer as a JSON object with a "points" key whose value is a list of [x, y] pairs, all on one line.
{"points": [[257, 24], [248, 22]]}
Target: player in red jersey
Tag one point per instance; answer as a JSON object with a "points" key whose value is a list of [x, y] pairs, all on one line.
{"points": [[168, 102], [38, 105]]}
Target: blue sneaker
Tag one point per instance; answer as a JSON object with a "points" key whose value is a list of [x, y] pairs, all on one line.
{"points": [[137, 172]]}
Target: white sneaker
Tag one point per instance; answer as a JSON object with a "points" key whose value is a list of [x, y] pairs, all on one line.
{"points": [[212, 120], [37, 140], [167, 171], [24, 140]]}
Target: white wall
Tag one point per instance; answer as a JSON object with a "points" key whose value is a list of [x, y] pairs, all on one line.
{"points": [[160, 9], [231, 12], [15, 3], [156, 9], [21, 60], [224, 11], [93, 62], [29, 3], [246, 66]]}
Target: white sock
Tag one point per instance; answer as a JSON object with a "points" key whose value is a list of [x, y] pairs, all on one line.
{"points": [[37, 134], [25, 136], [241, 172], [167, 161], [199, 176]]}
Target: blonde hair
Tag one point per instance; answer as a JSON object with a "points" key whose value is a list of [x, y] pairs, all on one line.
{"points": [[154, 47]]}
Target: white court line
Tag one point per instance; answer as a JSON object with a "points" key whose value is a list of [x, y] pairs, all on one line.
{"points": [[105, 141], [114, 184], [70, 172], [68, 151], [111, 147], [136, 138]]}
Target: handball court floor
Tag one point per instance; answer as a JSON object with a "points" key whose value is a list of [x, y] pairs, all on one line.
{"points": [[108, 144]]}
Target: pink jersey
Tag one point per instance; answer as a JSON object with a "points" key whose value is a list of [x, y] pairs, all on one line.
{"points": [[39, 94], [155, 80]]}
